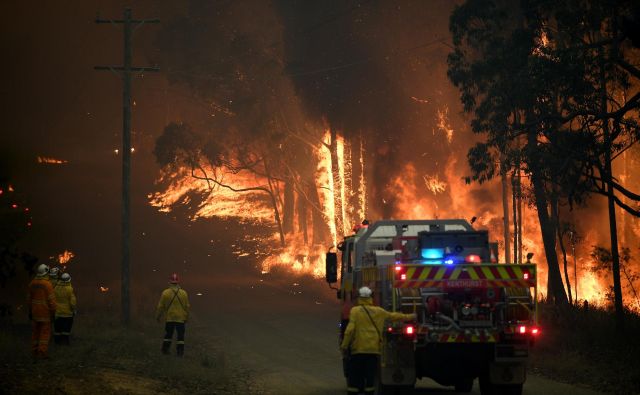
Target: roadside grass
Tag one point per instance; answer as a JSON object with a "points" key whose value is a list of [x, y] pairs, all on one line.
{"points": [[106, 358], [582, 346]]}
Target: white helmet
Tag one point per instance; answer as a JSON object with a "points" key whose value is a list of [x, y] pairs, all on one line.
{"points": [[43, 269], [365, 292], [66, 277], [54, 272]]}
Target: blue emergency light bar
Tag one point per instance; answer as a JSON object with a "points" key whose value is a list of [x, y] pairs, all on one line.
{"points": [[432, 253]]}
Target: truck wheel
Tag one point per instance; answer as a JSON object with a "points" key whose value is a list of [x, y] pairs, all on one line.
{"points": [[464, 385], [486, 388], [383, 389], [394, 389], [514, 389]]}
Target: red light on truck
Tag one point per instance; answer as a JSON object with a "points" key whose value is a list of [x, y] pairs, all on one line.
{"points": [[522, 329], [526, 276], [403, 276], [409, 330], [398, 268], [472, 258], [535, 331]]}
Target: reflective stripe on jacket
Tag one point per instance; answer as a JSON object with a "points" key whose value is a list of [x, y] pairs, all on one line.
{"points": [[361, 336], [65, 300], [41, 299], [174, 304]]}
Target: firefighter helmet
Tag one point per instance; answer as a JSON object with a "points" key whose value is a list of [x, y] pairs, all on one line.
{"points": [[174, 278], [43, 269], [54, 272], [365, 292], [66, 277]]}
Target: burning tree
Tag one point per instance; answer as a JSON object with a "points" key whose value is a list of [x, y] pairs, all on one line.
{"points": [[552, 87]]}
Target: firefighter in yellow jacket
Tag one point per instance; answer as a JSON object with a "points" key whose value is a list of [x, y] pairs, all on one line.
{"points": [[363, 339], [42, 306], [65, 310], [174, 306]]}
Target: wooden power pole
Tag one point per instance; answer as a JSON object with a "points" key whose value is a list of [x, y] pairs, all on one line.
{"points": [[125, 71]]}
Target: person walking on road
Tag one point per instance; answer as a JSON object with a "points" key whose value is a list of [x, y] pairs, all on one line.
{"points": [[363, 340], [41, 301], [174, 306], [65, 310]]}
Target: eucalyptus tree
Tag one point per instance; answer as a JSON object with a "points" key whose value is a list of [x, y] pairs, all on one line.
{"points": [[553, 85], [497, 67]]}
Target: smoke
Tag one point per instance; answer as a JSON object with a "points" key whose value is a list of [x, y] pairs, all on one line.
{"points": [[376, 69]]}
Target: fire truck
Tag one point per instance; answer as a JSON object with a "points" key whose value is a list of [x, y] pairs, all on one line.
{"points": [[476, 318]]}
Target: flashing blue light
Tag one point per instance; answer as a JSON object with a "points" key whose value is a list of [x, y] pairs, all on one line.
{"points": [[432, 262], [449, 261], [432, 253]]}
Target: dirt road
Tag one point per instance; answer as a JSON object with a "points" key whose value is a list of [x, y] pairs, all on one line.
{"points": [[286, 335]]}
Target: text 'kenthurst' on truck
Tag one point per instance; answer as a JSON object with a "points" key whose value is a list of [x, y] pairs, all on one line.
{"points": [[476, 318]]}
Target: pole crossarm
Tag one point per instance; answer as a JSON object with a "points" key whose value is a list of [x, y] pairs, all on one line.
{"points": [[121, 68], [136, 21]]}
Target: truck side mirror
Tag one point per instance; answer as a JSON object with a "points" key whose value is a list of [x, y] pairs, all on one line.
{"points": [[331, 271]]}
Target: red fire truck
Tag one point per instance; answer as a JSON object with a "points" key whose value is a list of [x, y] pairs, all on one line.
{"points": [[477, 318]]}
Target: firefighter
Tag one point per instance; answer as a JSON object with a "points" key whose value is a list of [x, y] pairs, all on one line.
{"points": [[53, 276], [174, 306], [363, 340], [42, 306], [65, 310]]}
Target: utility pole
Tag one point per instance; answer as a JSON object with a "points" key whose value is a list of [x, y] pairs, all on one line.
{"points": [[125, 72]]}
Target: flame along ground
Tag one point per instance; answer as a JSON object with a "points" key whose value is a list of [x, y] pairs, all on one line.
{"points": [[417, 197]]}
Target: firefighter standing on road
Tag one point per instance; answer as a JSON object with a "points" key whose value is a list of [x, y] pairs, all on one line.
{"points": [[53, 276], [65, 310], [42, 306], [174, 305], [363, 339]]}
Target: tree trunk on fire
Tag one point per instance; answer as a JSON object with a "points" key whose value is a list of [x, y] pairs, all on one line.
{"points": [[288, 211], [505, 210], [555, 288], [337, 185], [520, 221], [274, 202], [276, 213], [555, 212], [320, 228], [514, 204], [302, 218], [357, 176], [608, 179]]}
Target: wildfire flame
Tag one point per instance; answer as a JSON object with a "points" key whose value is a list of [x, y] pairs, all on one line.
{"points": [[443, 124], [65, 257], [434, 184], [51, 161], [450, 197]]}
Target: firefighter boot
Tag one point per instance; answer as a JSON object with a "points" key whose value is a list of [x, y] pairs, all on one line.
{"points": [[166, 344]]}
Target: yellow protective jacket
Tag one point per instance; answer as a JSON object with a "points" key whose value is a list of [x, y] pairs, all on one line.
{"points": [[53, 281], [361, 336], [173, 304], [41, 299], [65, 300]]}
